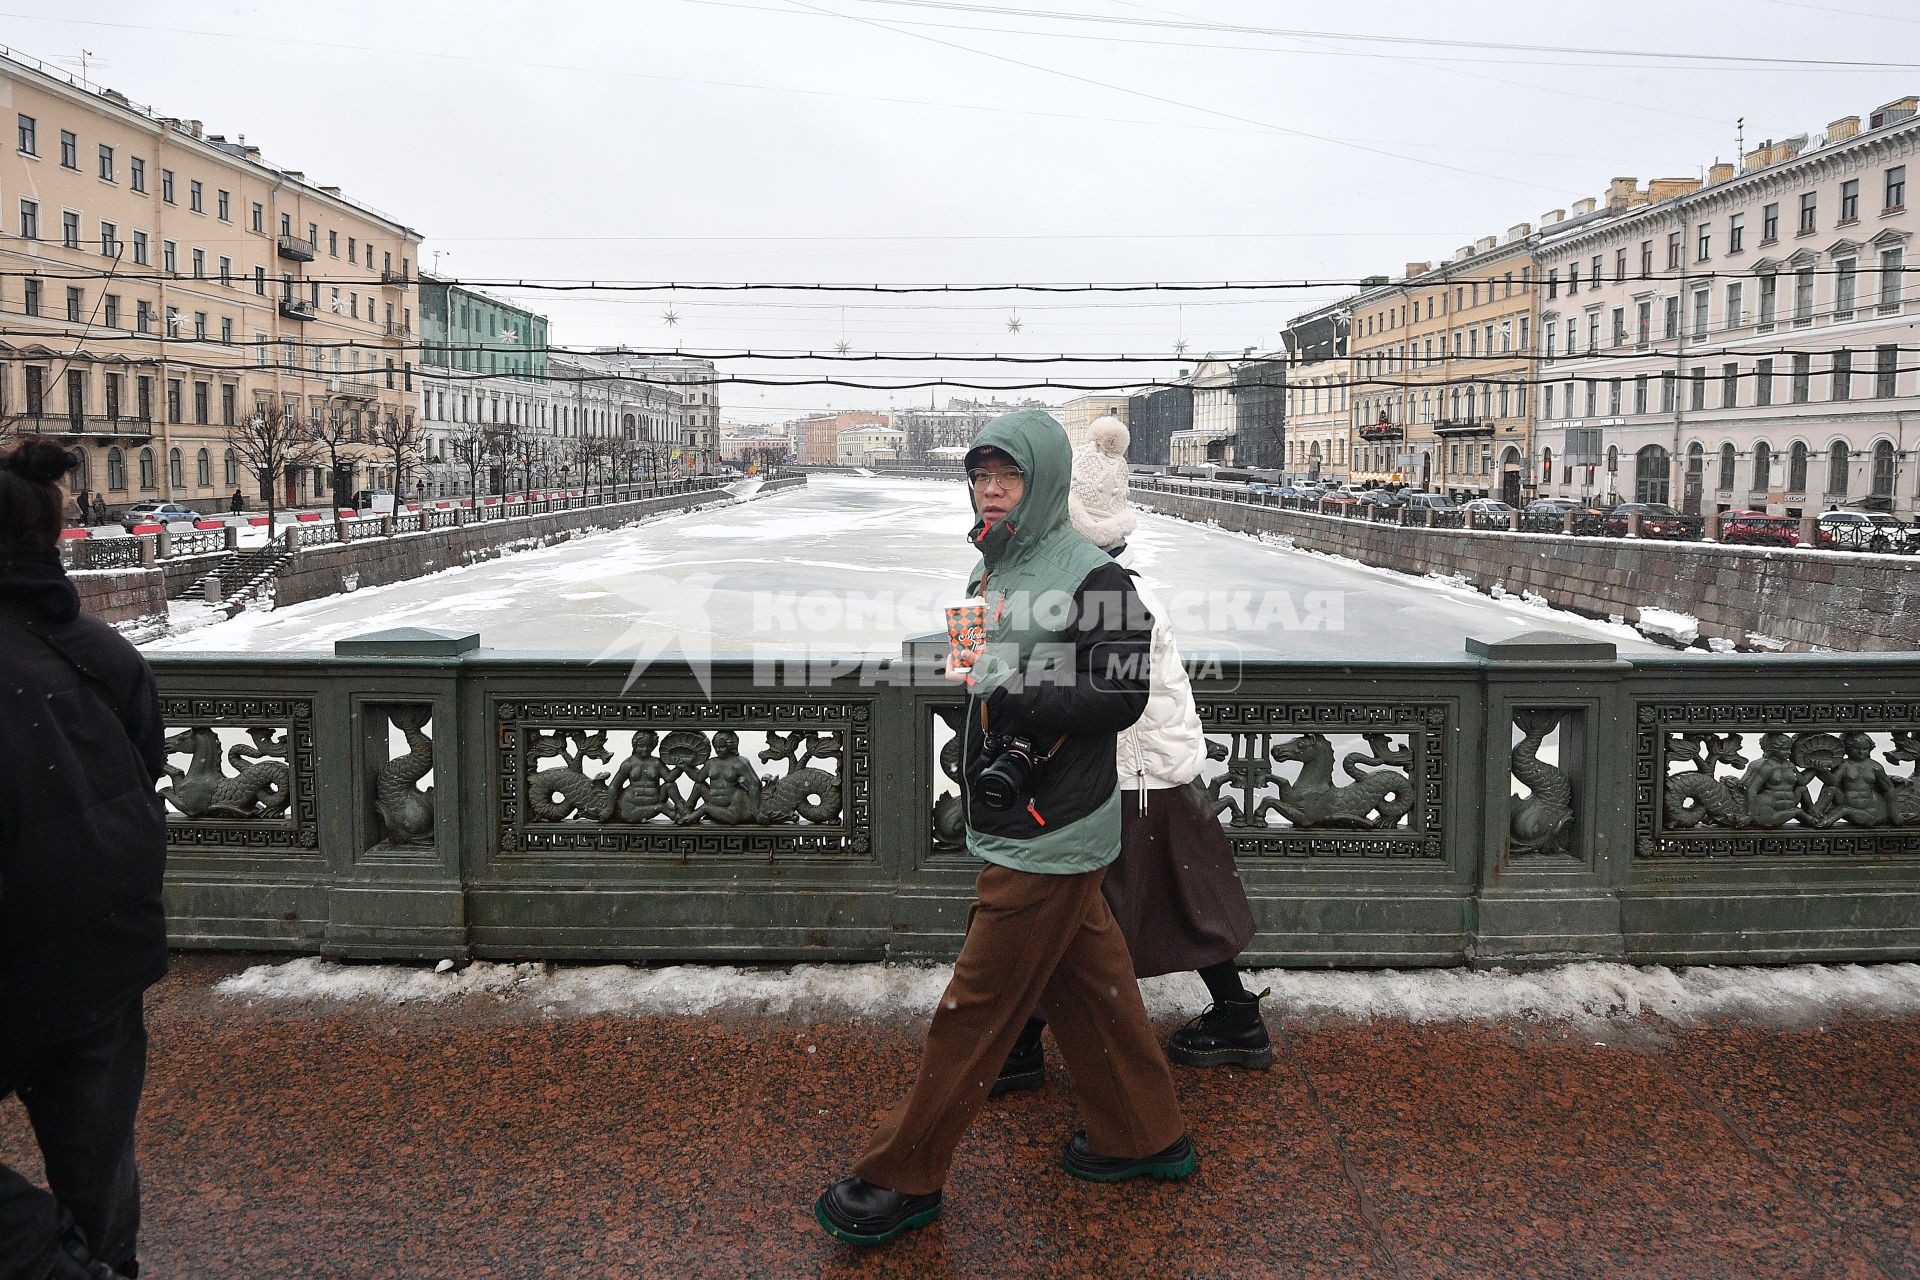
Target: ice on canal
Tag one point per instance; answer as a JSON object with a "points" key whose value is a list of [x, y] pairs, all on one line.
{"points": [[853, 564]]}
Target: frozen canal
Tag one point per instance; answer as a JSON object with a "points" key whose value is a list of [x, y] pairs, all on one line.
{"points": [[853, 565]]}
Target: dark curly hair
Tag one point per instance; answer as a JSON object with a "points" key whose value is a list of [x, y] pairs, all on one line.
{"points": [[32, 505]]}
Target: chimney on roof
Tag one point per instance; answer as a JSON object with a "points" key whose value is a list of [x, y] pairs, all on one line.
{"points": [[1464, 252], [1719, 173], [1552, 216], [1624, 193], [1583, 207], [296, 175], [193, 127], [332, 191], [1418, 269], [1519, 231], [1485, 243], [1842, 129], [1667, 188], [116, 97]]}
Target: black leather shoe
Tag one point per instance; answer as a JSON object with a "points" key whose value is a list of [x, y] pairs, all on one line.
{"points": [[1175, 1163], [1230, 1034], [858, 1212], [76, 1261], [1026, 1064]]}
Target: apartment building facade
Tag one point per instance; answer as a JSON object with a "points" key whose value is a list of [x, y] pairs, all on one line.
{"points": [[1211, 434], [1744, 348], [1318, 389], [693, 446], [483, 365], [167, 283]]}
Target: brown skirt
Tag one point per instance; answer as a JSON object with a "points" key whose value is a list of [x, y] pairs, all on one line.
{"points": [[1174, 889]]}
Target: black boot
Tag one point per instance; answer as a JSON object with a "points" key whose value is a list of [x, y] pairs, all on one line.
{"points": [[858, 1212], [1229, 1034], [1175, 1163], [1026, 1064], [76, 1261]]}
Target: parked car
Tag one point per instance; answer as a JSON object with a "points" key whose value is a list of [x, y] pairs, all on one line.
{"points": [[1486, 508], [1340, 500], [1657, 520], [1863, 531], [156, 513], [1430, 502], [377, 501], [1554, 506], [1758, 529]]}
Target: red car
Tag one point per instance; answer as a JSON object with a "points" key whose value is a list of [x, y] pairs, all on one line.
{"points": [[1758, 529]]}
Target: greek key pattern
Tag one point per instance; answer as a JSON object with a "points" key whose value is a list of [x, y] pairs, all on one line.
{"points": [[248, 778], [1776, 779], [679, 778]]}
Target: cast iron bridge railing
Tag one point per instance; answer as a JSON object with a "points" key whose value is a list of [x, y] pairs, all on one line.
{"points": [[1531, 800]]}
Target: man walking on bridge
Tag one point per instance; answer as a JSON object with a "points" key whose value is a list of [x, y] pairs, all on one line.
{"points": [[1063, 671]]}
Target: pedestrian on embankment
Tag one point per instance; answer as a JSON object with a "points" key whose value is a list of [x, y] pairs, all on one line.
{"points": [[82, 931], [1174, 890], [1055, 686]]}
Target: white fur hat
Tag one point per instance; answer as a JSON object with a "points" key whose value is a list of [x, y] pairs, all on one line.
{"points": [[1097, 502]]}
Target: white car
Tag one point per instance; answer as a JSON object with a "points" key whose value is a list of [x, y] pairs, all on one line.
{"points": [[1487, 508], [1863, 531]]}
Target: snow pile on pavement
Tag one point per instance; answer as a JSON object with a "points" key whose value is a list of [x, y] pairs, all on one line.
{"points": [[1681, 628], [1576, 993]]}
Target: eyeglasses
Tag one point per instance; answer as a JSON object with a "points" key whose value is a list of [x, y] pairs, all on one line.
{"points": [[1011, 478]]}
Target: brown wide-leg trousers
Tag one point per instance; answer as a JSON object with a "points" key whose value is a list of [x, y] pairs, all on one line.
{"points": [[1050, 941]]}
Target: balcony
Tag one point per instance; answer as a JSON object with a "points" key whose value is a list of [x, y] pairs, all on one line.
{"points": [[1456, 427], [395, 279], [294, 249], [89, 427], [395, 329], [295, 309], [1382, 431]]}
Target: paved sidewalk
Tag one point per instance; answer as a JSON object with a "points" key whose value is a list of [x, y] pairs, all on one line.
{"points": [[481, 1138]]}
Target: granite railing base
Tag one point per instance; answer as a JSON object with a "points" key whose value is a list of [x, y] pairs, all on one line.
{"points": [[132, 599], [1747, 597]]}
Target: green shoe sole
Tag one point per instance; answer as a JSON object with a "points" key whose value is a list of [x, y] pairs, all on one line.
{"points": [[919, 1219], [1162, 1170]]}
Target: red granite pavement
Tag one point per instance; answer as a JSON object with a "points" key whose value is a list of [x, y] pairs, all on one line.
{"points": [[483, 1138]]}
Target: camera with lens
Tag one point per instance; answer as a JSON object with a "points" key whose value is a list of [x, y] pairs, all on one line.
{"points": [[1006, 781]]}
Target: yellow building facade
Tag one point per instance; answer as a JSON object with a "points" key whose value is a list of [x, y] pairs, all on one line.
{"points": [[158, 285]]}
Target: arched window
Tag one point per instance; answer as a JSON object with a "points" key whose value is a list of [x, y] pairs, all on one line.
{"points": [[147, 473], [1839, 462], [1613, 459], [176, 473], [1797, 467], [1546, 466], [1652, 479], [203, 470], [232, 468], [116, 469], [1726, 467], [1883, 469], [1762, 467]]}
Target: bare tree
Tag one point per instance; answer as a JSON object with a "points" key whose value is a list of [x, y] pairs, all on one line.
{"points": [[330, 434], [471, 445], [399, 437], [269, 443]]}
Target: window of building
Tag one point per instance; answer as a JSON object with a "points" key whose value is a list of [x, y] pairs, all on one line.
{"points": [[226, 270], [1849, 203], [1671, 326], [1640, 384], [137, 173], [169, 256], [1762, 467], [1886, 367], [166, 186], [228, 392], [1797, 467], [173, 399], [69, 150], [1843, 375], [140, 248], [1839, 463], [1619, 326], [1674, 250], [1769, 300], [148, 475], [199, 264], [1727, 463], [1803, 296], [232, 469], [176, 476], [1735, 296], [259, 219], [1700, 306], [1646, 257], [1736, 232], [1808, 209], [313, 234], [1729, 385], [109, 240], [29, 136], [76, 304], [196, 196], [203, 469], [1883, 469], [106, 163], [116, 469], [1801, 382], [202, 402], [223, 206], [110, 311], [1553, 289], [1593, 330], [1613, 398], [333, 243], [1770, 224], [29, 220], [1697, 387], [226, 330], [1703, 242], [1896, 197], [142, 315], [1844, 286], [1892, 262], [286, 224]]}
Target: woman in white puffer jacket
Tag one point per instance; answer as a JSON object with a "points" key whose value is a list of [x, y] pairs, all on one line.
{"points": [[1174, 890]]}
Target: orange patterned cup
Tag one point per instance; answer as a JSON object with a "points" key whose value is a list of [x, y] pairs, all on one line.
{"points": [[967, 625]]}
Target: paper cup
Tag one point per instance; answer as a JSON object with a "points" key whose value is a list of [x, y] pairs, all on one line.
{"points": [[967, 625]]}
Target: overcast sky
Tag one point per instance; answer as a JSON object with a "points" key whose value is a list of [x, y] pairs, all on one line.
{"points": [[954, 141]]}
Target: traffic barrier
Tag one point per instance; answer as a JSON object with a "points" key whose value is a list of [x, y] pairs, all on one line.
{"points": [[307, 517], [71, 535], [209, 524]]}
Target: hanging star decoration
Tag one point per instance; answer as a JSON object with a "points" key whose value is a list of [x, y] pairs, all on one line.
{"points": [[338, 307], [1014, 322], [671, 316], [843, 346], [509, 335], [1179, 346]]}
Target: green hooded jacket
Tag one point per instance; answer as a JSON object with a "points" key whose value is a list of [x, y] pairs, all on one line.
{"points": [[1065, 666]]}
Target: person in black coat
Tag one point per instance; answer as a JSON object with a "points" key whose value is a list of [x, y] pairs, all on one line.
{"points": [[82, 930]]}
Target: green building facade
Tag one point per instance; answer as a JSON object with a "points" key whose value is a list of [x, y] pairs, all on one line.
{"points": [[467, 332]]}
